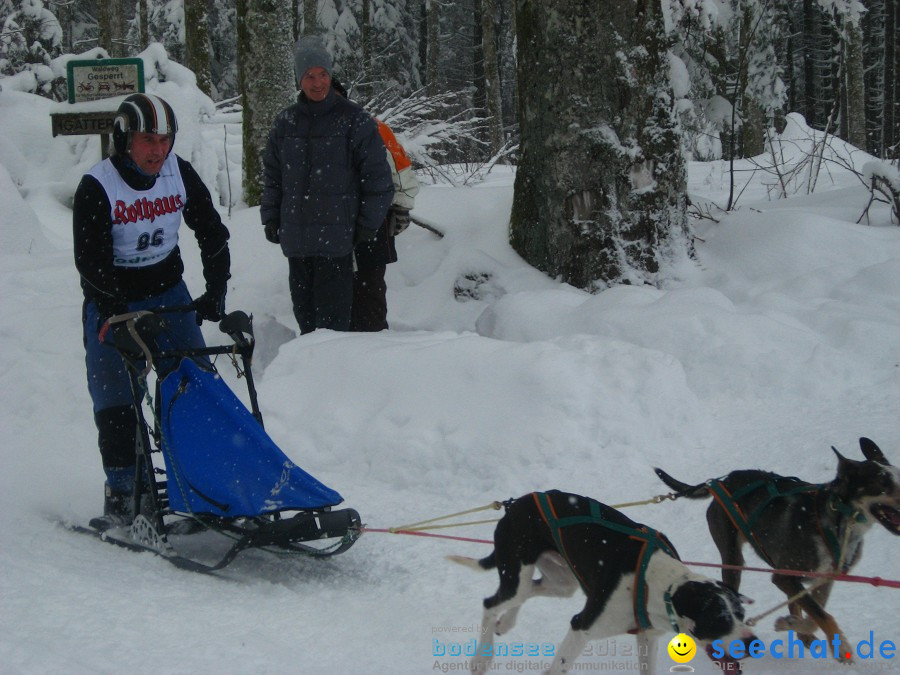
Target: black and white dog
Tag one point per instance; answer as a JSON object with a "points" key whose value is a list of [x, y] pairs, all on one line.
{"points": [[794, 525], [631, 575]]}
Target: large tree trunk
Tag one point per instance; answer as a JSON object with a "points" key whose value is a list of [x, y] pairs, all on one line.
{"points": [[196, 43], [265, 78], [600, 189]]}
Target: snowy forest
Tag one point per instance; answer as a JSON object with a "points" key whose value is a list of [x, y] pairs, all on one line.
{"points": [[640, 87], [650, 233]]}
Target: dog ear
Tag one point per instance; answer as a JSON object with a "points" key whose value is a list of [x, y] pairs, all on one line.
{"points": [[872, 452], [841, 459]]}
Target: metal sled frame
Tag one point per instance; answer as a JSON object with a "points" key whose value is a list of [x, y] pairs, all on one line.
{"points": [[286, 531]]}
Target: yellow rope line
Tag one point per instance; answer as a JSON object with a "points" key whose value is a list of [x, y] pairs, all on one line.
{"points": [[419, 525], [395, 530], [752, 621]]}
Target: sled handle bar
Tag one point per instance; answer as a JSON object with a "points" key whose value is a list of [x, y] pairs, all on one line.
{"points": [[238, 325]]}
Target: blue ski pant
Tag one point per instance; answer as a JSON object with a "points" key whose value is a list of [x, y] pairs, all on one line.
{"points": [[109, 382]]}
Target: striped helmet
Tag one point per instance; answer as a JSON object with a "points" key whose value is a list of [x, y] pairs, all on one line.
{"points": [[144, 113]]}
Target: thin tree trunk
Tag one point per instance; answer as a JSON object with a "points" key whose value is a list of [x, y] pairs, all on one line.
{"points": [[752, 117], [144, 19], [365, 29], [493, 101], [433, 13], [890, 134], [479, 87], [265, 79], [423, 40], [65, 16], [809, 67], [855, 86], [196, 43], [111, 27], [310, 8]]}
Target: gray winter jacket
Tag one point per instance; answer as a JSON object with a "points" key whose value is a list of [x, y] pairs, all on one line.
{"points": [[325, 173]]}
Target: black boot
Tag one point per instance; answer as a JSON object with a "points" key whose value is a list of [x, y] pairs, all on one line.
{"points": [[117, 510]]}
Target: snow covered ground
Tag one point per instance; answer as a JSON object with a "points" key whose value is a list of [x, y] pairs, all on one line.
{"points": [[782, 341]]}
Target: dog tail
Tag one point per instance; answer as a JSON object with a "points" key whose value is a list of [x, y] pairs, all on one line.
{"points": [[683, 489], [487, 563]]}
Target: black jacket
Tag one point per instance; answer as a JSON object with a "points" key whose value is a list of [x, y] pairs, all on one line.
{"points": [[110, 287], [325, 173]]}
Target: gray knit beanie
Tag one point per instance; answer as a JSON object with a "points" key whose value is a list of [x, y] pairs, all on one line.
{"points": [[310, 52]]}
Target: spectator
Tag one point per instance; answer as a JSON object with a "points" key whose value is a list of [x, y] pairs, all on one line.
{"points": [[372, 257], [327, 187]]}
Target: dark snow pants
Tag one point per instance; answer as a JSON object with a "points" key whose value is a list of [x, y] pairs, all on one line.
{"points": [[369, 300], [321, 292]]}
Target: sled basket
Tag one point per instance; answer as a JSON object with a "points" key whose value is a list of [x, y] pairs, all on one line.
{"points": [[219, 460]]}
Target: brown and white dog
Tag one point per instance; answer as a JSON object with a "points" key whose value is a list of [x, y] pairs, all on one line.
{"points": [[795, 525], [631, 575]]}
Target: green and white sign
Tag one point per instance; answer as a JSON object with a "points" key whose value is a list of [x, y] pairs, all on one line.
{"points": [[95, 79]]}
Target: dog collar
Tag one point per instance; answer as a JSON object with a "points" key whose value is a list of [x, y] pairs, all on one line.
{"points": [[845, 509], [830, 535], [670, 610]]}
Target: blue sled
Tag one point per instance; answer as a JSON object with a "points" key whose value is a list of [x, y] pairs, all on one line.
{"points": [[220, 471], [233, 468]]}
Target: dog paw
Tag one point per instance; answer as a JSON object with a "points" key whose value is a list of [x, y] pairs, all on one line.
{"points": [[797, 624], [845, 659], [504, 624]]}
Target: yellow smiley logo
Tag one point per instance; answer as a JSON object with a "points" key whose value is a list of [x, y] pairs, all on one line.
{"points": [[682, 648]]}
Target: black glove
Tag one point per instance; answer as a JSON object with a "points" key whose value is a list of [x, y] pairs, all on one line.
{"points": [[272, 232], [362, 234], [210, 306], [147, 328], [398, 220], [123, 339], [108, 307]]}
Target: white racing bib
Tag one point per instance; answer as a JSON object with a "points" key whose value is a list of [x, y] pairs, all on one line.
{"points": [[144, 222]]}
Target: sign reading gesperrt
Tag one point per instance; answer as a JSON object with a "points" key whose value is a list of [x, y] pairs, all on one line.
{"points": [[94, 79]]}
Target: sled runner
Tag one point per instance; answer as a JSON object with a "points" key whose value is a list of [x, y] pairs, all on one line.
{"points": [[209, 479]]}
